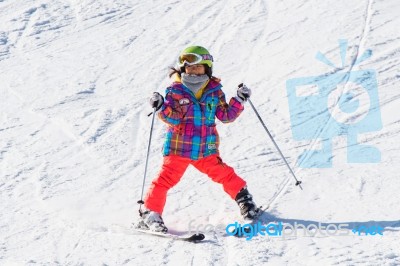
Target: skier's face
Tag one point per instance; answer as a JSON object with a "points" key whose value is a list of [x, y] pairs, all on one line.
{"points": [[195, 70]]}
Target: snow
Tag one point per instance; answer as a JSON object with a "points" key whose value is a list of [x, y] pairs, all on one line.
{"points": [[75, 81]]}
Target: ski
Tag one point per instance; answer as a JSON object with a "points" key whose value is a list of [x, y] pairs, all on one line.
{"points": [[195, 238], [282, 188]]}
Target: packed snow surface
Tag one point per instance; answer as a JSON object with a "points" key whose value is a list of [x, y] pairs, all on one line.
{"points": [[75, 79]]}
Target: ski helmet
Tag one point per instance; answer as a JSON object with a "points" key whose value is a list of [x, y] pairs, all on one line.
{"points": [[193, 55]]}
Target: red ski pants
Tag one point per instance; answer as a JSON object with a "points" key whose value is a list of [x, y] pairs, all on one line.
{"points": [[173, 169]]}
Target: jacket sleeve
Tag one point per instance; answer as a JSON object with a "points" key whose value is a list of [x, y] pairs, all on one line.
{"points": [[171, 112], [228, 112]]}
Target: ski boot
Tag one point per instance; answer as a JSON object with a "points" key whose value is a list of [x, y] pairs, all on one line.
{"points": [[248, 208], [150, 220]]}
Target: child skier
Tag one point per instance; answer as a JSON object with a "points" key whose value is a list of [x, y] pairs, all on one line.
{"points": [[192, 103]]}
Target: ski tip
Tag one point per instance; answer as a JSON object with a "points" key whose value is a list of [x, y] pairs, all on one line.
{"points": [[196, 237], [201, 236]]}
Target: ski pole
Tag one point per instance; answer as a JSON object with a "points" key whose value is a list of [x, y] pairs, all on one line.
{"points": [[298, 183], [147, 160]]}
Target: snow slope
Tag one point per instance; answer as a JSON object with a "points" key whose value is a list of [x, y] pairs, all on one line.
{"points": [[75, 78]]}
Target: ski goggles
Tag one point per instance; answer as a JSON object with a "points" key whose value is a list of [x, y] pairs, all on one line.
{"points": [[193, 59]]}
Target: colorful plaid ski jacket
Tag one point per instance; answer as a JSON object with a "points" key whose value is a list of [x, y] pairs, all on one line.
{"points": [[191, 123]]}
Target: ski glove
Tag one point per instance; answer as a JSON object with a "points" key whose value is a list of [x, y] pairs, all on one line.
{"points": [[243, 92], [156, 101]]}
